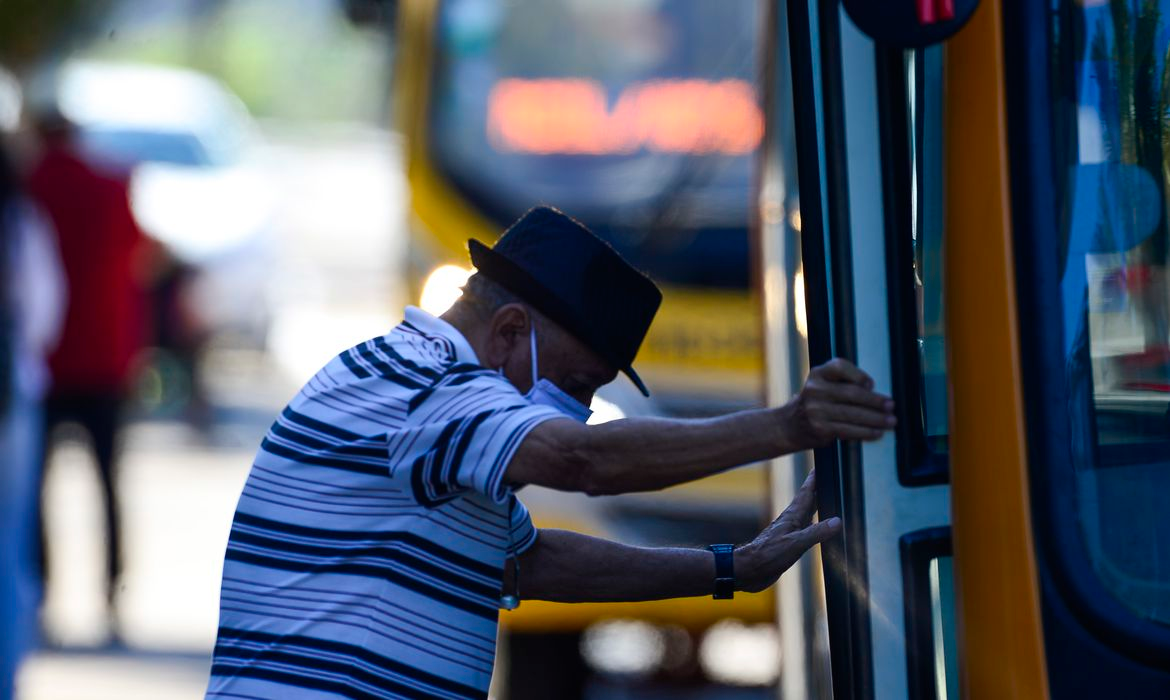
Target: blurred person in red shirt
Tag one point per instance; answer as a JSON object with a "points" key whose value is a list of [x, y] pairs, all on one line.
{"points": [[102, 249]]}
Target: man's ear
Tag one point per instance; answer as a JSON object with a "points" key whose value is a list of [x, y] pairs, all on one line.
{"points": [[507, 332]]}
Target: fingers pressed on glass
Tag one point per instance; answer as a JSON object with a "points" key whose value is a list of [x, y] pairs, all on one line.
{"points": [[819, 532], [800, 511], [843, 370], [810, 481], [850, 431], [849, 393], [804, 505], [862, 417]]}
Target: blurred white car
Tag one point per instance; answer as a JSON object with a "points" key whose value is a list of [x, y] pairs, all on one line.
{"points": [[195, 186]]}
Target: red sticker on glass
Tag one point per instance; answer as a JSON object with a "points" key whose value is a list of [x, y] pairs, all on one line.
{"points": [[933, 11]]}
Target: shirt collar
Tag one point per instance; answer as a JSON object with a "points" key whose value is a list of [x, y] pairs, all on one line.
{"points": [[433, 325]]}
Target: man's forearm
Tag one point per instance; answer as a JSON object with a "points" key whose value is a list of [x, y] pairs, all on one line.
{"points": [[572, 568], [645, 454], [568, 567]]}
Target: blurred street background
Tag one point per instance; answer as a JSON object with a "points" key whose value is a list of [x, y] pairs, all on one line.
{"points": [[310, 90], [179, 483], [271, 150]]}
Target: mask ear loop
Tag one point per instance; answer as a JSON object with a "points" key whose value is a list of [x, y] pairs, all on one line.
{"points": [[511, 601], [532, 344]]}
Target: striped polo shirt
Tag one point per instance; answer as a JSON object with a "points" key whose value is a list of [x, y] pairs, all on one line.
{"points": [[367, 551]]}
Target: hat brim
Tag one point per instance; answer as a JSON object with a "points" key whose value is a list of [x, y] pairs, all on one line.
{"points": [[629, 372], [517, 280]]}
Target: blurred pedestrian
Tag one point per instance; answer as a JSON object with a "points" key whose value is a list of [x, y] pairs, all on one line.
{"points": [[101, 247], [379, 531], [32, 307]]}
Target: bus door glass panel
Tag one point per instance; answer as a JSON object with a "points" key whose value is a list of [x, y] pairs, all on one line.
{"points": [[924, 97], [927, 388], [942, 619], [642, 119], [914, 258], [1113, 132]]}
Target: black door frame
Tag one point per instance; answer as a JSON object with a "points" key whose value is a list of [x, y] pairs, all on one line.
{"points": [[828, 277]]}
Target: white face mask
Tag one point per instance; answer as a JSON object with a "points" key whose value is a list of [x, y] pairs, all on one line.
{"points": [[545, 393]]}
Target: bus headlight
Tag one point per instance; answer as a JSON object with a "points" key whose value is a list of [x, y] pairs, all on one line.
{"points": [[623, 647], [739, 654], [443, 288]]}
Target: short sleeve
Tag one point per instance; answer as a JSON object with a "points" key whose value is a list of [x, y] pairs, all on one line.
{"points": [[492, 447], [484, 422], [523, 532]]}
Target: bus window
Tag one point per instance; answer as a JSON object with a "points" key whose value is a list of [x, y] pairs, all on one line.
{"points": [[942, 622], [1111, 134], [932, 653], [913, 83]]}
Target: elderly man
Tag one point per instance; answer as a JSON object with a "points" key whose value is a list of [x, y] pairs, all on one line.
{"points": [[378, 533]]}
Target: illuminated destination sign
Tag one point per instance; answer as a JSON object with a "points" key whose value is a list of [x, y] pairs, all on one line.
{"points": [[574, 116]]}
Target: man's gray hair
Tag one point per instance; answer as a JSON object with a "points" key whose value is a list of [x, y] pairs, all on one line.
{"points": [[486, 295]]}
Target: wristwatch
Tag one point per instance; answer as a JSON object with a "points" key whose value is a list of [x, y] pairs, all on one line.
{"points": [[724, 571]]}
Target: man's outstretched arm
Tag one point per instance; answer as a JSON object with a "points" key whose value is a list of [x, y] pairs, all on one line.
{"points": [[573, 568], [646, 454]]}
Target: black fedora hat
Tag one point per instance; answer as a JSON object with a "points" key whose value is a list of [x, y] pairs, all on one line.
{"points": [[579, 281]]}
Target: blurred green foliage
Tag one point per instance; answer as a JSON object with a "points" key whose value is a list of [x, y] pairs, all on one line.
{"points": [[290, 60], [282, 63], [31, 29]]}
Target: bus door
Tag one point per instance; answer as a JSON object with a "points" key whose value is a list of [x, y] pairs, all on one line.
{"points": [[868, 150], [1086, 99], [1010, 540]]}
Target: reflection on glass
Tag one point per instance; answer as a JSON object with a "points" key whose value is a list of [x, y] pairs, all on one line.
{"points": [[1113, 128], [924, 93], [942, 613]]}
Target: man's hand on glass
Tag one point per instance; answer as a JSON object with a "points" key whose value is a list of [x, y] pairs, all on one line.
{"points": [[837, 402], [760, 562]]}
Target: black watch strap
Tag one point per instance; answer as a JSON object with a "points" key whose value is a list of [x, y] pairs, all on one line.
{"points": [[724, 571]]}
